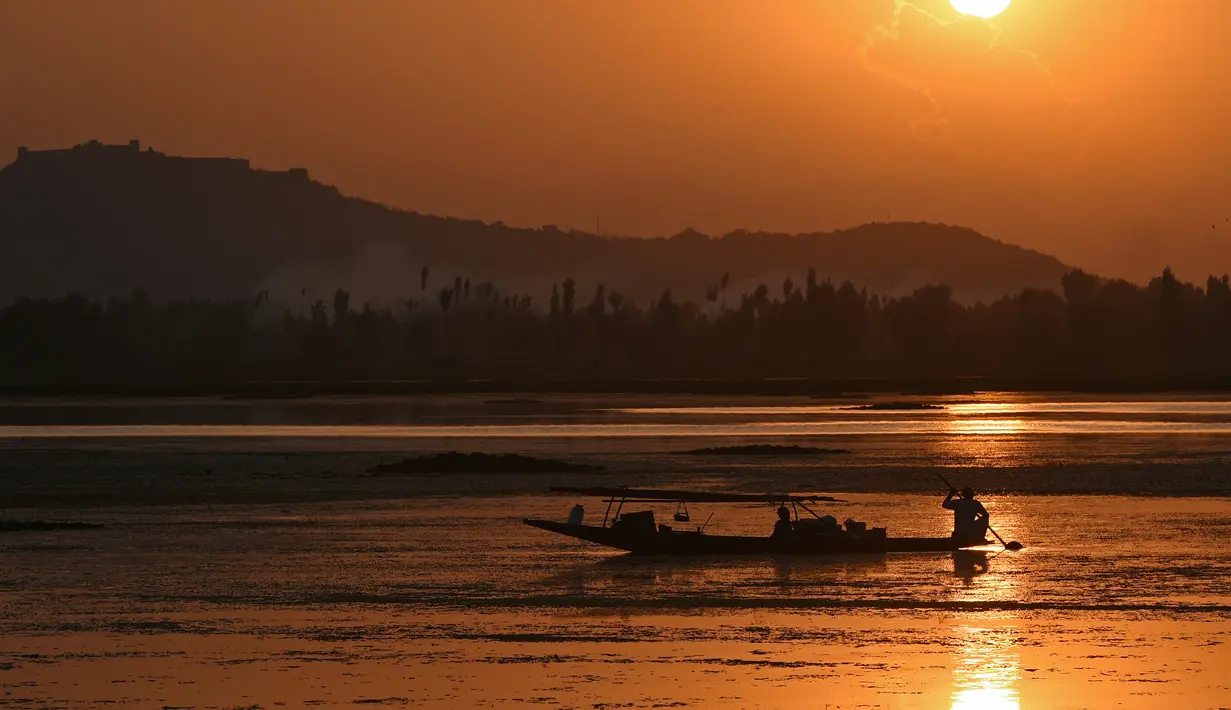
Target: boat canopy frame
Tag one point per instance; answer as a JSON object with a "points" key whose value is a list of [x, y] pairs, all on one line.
{"points": [[618, 496]]}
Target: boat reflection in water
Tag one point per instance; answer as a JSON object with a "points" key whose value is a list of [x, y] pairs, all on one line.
{"points": [[714, 579], [986, 670], [968, 564]]}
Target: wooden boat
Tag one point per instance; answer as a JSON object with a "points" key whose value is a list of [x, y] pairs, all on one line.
{"points": [[819, 535]]}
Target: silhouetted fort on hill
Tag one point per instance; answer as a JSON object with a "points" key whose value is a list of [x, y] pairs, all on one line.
{"points": [[131, 155], [102, 220]]}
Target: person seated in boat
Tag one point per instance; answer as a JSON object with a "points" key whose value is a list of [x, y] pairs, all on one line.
{"points": [[970, 519], [783, 528]]}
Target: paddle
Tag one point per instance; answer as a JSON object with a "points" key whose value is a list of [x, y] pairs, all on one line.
{"points": [[1015, 545]]}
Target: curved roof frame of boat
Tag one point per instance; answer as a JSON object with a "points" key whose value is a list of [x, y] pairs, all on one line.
{"points": [[661, 495]]}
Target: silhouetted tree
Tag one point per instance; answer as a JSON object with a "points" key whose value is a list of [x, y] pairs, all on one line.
{"points": [[568, 296], [598, 307], [1097, 332], [341, 307]]}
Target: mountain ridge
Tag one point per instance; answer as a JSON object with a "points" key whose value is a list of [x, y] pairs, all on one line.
{"points": [[105, 219]]}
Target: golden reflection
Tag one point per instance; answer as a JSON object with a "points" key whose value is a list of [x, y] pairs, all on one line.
{"points": [[986, 426], [980, 442], [985, 699], [968, 564], [980, 408], [986, 672]]}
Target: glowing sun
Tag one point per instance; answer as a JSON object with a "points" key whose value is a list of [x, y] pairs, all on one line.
{"points": [[981, 8]]}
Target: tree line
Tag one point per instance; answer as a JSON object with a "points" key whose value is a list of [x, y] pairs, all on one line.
{"points": [[1088, 330]]}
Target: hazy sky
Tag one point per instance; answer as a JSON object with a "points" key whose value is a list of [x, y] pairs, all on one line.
{"points": [[1095, 130]]}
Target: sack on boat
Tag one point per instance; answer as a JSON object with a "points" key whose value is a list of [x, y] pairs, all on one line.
{"points": [[576, 515], [641, 521], [824, 525]]}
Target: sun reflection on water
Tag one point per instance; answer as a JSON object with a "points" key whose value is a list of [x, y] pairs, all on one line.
{"points": [[985, 699], [979, 441], [986, 426], [986, 671], [979, 408]]}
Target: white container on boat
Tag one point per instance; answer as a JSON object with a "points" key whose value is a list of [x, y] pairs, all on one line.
{"points": [[576, 514]]}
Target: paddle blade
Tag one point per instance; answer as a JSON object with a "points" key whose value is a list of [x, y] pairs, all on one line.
{"points": [[1015, 545]]}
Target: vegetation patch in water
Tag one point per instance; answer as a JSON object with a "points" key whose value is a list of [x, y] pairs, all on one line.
{"points": [[764, 450], [454, 462], [20, 525]]}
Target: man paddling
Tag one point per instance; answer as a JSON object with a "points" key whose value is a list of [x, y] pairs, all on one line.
{"points": [[970, 519]]}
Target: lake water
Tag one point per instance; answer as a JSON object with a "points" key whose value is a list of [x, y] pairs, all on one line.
{"points": [[247, 559]]}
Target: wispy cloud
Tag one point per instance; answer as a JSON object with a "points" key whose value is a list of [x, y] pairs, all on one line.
{"points": [[982, 90]]}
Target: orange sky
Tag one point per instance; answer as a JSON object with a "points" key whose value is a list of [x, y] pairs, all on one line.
{"points": [[1095, 130]]}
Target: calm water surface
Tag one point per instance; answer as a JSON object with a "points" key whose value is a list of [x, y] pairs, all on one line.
{"points": [[252, 568], [615, 416]]}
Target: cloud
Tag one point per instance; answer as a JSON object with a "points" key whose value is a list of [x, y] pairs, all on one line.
{"points": [[988, 99]]}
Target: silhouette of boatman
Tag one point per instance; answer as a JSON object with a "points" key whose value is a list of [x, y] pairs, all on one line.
{"points": [[783, 529], [970, 518]]}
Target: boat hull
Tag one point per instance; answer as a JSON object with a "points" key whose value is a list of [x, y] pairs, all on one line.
{"points": [[693, 543]]}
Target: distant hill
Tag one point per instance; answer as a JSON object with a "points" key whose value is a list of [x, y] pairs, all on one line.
{"points": [[102, 220]]}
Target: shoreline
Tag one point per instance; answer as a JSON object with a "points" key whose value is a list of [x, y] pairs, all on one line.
{"points": [[799, 387]]}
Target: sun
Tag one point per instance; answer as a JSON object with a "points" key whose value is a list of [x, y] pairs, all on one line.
{"points": [[981, 8]]}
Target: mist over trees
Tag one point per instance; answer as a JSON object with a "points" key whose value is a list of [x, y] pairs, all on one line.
{"points": [[1093, 330]]}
